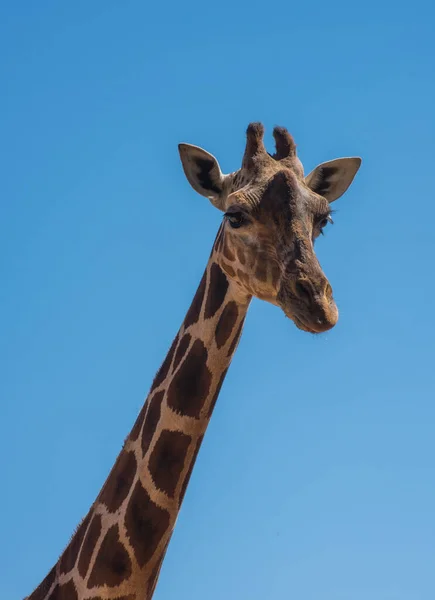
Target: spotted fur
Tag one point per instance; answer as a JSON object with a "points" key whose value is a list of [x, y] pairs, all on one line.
{"points": [[118, 549]]}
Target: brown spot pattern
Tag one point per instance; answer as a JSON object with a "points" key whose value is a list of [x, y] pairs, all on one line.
{"points": [[235, 339], [67, 591], [216, 393], [244, 278], [217, 290], [261, 271], [43, 588], [195, 308], [181, 350], [221, 242], [151, 420], [119, 482], [146, 524], [164, 369], [240, 256], [167, 460], [112, 565], [69, 557], [129, 597], [88, 545], [228, 270], [227, 251], [190, 386], [226, 323], [154, 576], [190, 469], [134, 433]]}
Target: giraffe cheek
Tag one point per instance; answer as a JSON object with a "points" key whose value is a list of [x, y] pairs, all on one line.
{"points": [[227, 251]]}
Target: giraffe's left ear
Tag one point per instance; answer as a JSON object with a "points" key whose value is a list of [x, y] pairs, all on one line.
{"points": [[203, 173], [331, 179]]}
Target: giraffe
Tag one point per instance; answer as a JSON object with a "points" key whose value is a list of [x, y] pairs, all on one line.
{"points": [[264, 247]]}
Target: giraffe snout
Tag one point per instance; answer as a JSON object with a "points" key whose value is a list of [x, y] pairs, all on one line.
{"points": [[309, 303], [317, 308]]}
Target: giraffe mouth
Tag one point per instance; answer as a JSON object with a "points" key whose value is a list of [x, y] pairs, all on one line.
{"points": [[315, 326], [303, 326]]}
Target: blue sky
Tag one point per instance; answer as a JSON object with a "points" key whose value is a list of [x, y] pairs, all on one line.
{"points": [[317, 475]]}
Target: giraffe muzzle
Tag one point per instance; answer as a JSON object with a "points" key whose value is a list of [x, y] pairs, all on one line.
{"points": [[310, 306]]}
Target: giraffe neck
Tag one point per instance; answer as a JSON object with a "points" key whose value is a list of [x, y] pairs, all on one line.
{"points": [[119, 547]]}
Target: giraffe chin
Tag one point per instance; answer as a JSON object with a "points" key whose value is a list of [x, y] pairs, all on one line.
{"points": [[315, 328]]}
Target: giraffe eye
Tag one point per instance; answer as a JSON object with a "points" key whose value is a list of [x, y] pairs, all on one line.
{"points": [[235, 219], [324, 221]]}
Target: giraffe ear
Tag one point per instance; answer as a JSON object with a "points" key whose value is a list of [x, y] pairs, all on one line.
{"points": [[331, 179], [203, 173]]}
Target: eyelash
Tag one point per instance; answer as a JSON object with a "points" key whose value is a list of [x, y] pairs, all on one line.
{"points": [[325, 220]]}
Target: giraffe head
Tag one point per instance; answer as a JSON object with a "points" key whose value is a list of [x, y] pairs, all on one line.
{"points": [[272, 217]]}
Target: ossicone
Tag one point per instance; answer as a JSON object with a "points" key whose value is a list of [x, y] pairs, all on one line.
{"points": [[284, 144], [254, 144]]}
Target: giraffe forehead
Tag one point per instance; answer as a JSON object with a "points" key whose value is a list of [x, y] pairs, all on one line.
{"points": [[290, 201], [281, 209], [274, 190]]}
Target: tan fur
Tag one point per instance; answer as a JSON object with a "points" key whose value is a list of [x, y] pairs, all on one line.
{"points": [[117, 551]]}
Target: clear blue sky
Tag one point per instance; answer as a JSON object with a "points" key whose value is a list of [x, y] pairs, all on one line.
{"points": [[317, 475]]}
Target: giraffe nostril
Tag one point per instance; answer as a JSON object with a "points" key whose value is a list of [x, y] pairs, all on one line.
{"points": [[303, 292]]}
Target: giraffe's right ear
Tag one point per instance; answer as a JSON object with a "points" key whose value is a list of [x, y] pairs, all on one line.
{"points": [[203, 173]]}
